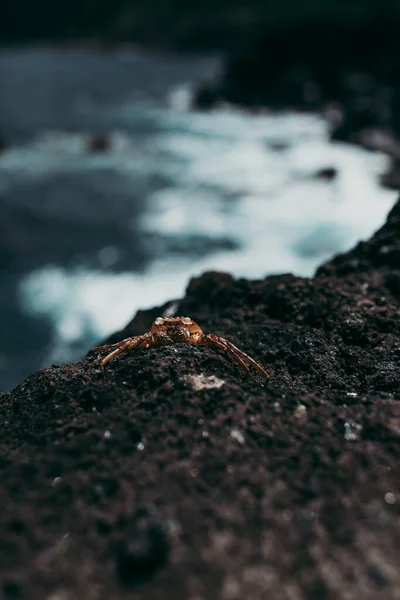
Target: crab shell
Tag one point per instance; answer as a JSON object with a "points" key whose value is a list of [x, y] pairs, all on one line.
{"points": [[179, 329]]}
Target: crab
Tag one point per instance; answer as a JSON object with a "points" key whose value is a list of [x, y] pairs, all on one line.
{"points": [[167, 331]]}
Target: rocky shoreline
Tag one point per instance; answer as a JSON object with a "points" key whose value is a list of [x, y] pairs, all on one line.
{"points": [[176, 476], [348, 72]]}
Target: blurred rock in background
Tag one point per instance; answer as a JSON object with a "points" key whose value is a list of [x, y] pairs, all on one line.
{"points": [[203, 25]]}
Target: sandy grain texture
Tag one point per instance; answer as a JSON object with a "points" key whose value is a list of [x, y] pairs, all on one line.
{"points": [[143, 484]]}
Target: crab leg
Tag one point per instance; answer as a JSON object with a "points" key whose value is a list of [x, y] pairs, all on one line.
{"points": [[217, 343], [116, 345], [139, 341], [241, 357], [244, 356], [110, 356]]}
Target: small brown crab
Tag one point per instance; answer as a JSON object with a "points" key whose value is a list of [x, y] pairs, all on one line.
{"points": [[166, 331]]}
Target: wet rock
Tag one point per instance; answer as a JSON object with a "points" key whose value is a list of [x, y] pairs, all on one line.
{"points": [[328, 173], [98, 142], [3, 144], [391, 179], [204, 26], [302, 67], [206, 97]]}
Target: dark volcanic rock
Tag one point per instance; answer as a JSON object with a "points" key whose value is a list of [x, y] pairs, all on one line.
{"points": [[98, 142], [348, 71], [287, 490], [3, 144], [327, 173], [205, 25]]}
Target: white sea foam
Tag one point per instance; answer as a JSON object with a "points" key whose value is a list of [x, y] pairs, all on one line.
{"points": [[228, 179]]}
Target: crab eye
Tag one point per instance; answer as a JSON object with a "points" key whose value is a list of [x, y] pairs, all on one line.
{"points": [[186, 320]]}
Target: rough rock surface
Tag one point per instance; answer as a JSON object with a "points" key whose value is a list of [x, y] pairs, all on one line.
{"points": [[153, 482]]}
